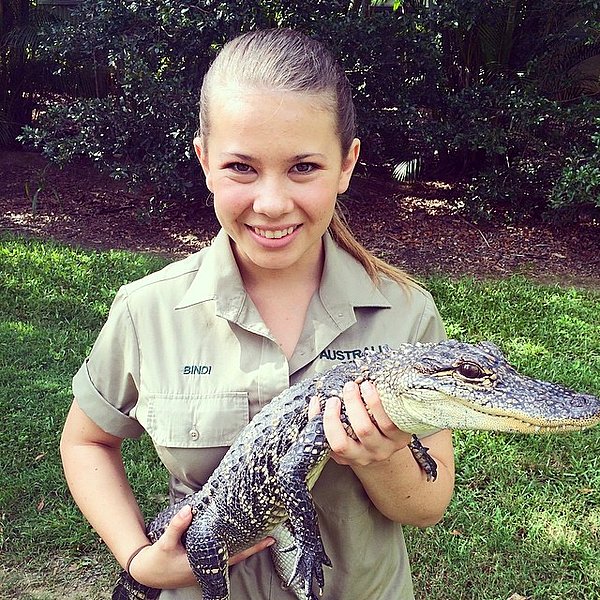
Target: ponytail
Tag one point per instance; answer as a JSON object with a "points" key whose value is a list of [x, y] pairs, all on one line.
{"points": [[375, 267]]}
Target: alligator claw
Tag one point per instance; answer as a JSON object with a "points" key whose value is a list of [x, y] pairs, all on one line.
{"points": [[309, 565], [422, 456]]}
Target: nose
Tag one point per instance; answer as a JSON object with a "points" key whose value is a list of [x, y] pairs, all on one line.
{"points": [[272, 198]]}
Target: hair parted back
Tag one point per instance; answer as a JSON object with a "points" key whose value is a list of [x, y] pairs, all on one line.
{"points": [[286, 60]]}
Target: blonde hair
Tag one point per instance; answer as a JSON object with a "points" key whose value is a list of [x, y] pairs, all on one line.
{"points": [[287, 60]]}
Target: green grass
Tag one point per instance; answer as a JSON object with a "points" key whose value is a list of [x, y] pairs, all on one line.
{"points": [[53, 300], [526, 514]]}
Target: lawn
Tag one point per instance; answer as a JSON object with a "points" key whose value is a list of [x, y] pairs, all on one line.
{"points": [[525, 518]]}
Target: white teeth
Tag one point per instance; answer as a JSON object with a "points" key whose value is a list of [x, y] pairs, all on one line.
{"points": [[269, 234]]}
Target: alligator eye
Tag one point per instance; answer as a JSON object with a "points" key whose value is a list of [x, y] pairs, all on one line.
{"points": [[470, 371]]}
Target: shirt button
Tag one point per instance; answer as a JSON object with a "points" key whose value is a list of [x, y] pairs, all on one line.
{"points": [[194, 435]]}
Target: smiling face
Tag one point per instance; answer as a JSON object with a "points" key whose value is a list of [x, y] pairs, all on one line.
{"points": [[274, 163]]}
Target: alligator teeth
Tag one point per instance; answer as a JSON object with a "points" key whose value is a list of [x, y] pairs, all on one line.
{"points": [[276, 234]]}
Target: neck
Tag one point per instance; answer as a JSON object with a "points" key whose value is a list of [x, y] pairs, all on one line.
{"points": [[282, 296], [305, 273]]}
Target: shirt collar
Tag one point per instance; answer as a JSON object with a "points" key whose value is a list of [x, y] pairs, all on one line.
{"points": [[218, 279], [345, 285]]}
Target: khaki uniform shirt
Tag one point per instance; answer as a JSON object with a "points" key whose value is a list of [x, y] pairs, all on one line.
{"points": [[186, 357]]}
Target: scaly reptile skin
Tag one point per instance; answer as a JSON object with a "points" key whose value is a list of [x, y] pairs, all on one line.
{"points": [[265, 477]]}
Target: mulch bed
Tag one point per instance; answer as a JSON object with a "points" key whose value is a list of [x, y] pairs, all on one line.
{"points": [[413, 226]]}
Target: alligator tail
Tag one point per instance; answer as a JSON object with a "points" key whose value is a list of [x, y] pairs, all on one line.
{"points": [[127, 588]]}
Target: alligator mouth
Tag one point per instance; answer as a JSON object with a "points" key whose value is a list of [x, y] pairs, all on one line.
{"points": [[510, 420], [448, 411]]}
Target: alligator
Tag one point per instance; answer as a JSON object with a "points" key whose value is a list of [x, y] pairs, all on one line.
{"points": [[263, 483]]}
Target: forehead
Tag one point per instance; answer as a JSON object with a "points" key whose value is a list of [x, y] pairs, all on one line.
{"points": [[257, 113]]}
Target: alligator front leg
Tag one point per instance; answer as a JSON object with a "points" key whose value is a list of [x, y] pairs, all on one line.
{"points": [[303, 462], [207, 554], [423, 458]]}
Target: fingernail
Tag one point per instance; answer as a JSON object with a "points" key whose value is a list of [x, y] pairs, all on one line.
{"points": [[349, 386], [332, 403], [185, 511]]}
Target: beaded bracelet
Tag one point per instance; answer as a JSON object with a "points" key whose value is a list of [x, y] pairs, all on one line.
{"points": [[135, 553]]}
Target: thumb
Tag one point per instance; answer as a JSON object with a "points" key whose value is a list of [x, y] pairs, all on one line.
{"points": [[177, 527]]}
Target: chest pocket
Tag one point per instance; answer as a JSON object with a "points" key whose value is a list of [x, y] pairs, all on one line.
{"points": [[196, 421]]}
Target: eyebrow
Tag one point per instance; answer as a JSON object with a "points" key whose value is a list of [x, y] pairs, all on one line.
{"points": [[295, 158], [237, 155]]}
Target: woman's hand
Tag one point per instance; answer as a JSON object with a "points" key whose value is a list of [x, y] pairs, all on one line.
{"points": [[376, 441], [165, 565], [382, 461], [262, 545]]}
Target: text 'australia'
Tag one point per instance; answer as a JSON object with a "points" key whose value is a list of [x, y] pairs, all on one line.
{"points": [[341, 355]]}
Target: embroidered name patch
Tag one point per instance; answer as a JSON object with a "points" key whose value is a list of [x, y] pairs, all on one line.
{"points": [[196, 370]]}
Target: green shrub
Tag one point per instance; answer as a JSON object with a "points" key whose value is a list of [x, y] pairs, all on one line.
{"points": [[579, 181], [158, 52], [482, 92]]}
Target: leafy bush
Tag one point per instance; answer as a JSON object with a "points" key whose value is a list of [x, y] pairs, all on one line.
{"points": [[513, 144], [24, 70], [29, 75], [158, 53], [579, 181], [478, 91]]}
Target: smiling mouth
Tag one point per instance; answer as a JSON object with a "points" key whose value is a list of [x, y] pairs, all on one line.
{"points": [[274, 234]]}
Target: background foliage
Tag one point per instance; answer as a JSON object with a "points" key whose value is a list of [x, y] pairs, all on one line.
{"points": [[503, 95], [29, 77]]}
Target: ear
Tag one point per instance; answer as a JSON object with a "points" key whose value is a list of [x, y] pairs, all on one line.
{"points": [[348, 164], [203, 159]]}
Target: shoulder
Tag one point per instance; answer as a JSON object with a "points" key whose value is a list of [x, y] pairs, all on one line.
{"points": [[149, 299], [161, 290], [175, 275], [411, 294], [415, 304]]}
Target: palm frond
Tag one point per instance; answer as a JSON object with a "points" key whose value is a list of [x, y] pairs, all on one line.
{"points": [[408, 170]]}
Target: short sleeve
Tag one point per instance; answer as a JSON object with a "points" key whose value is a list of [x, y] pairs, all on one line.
{"points": [[106, 386], [431, 327]]}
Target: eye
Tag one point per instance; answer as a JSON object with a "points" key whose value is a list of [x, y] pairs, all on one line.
{"points": [[470, 371], [304, 167], [239, 167]]}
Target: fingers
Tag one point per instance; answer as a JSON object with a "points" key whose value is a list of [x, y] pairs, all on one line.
{"points": [[346, 450], [355, 398], [377, 438], [342, 446], [171, 538], [262, 545], [164, 564], [383, 422], [314, 407]]}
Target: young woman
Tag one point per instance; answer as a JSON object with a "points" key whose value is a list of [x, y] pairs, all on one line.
{"points": [[191, 353]]}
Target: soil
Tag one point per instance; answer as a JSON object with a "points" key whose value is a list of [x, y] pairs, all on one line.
{"points": [[413, 226]]}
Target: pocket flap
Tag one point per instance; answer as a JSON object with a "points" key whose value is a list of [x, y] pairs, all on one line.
{"points": [[196, 421]]}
